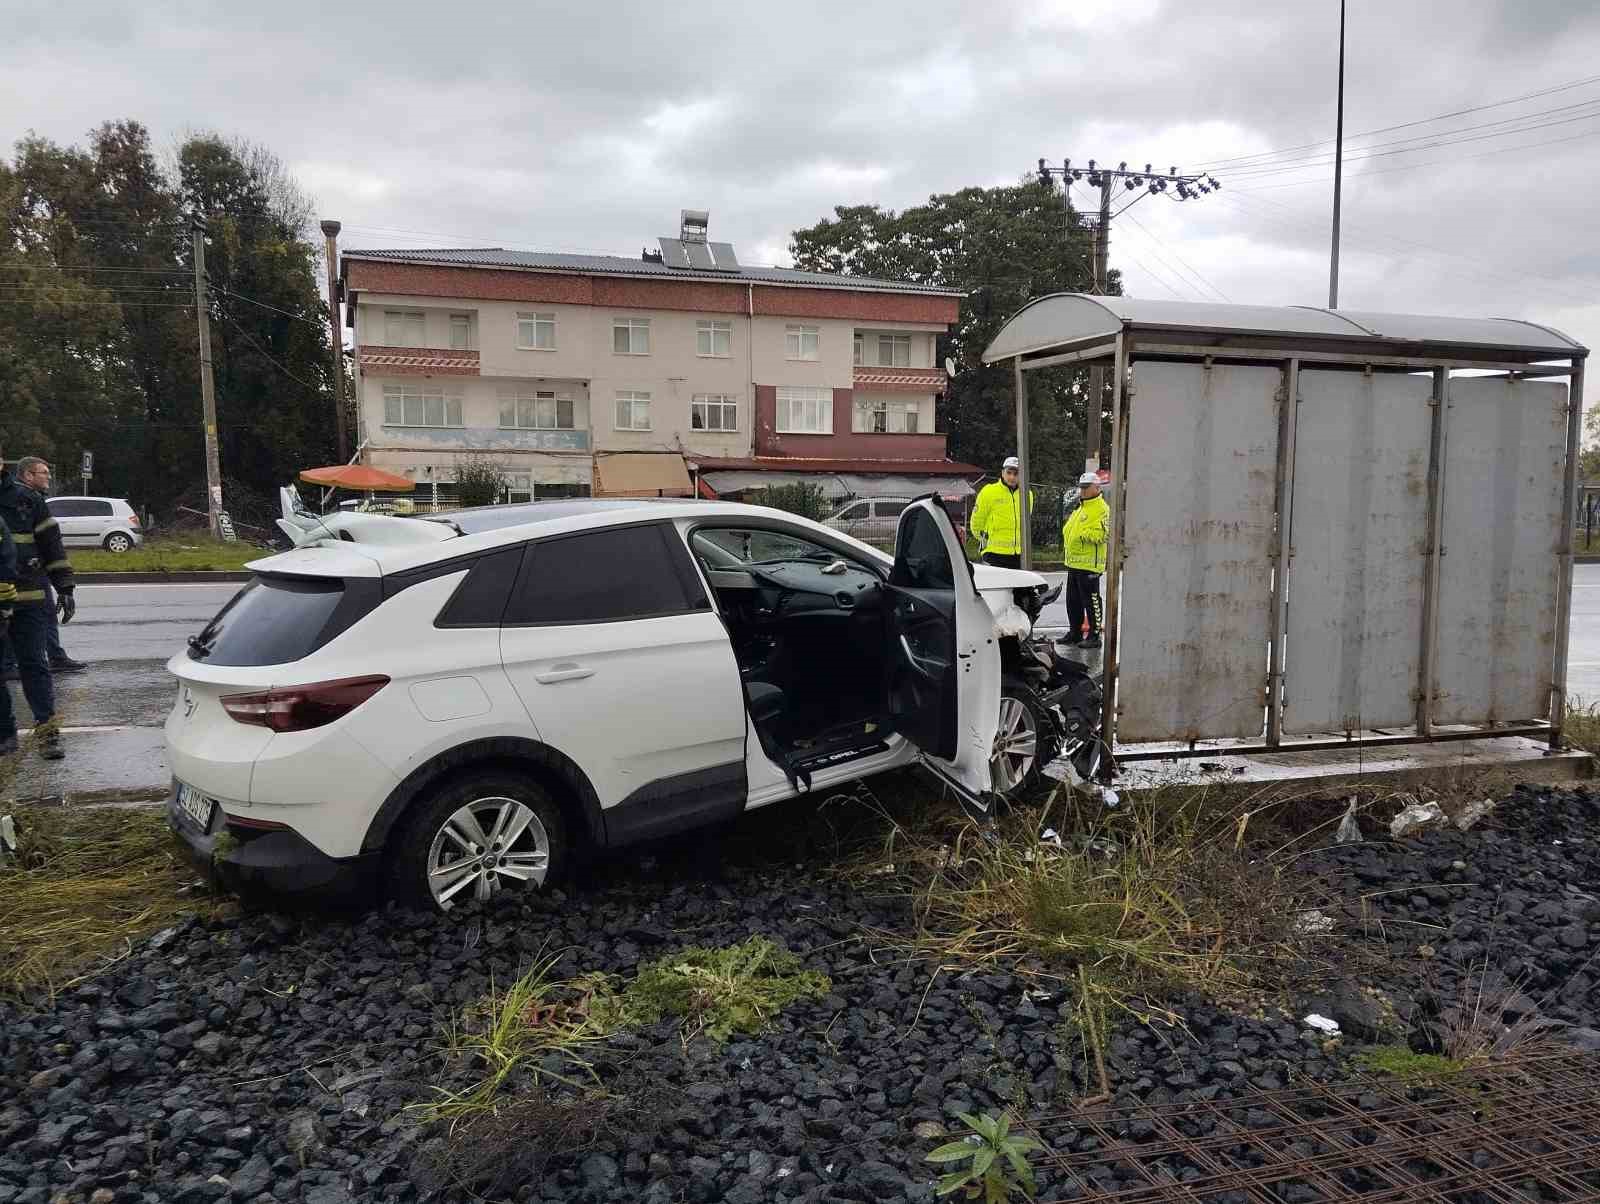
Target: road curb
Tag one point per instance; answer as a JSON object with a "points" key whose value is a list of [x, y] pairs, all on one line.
{"points": [[157, 578], [1586, 559]]}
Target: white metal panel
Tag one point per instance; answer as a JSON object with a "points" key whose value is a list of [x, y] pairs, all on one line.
{"points": [[1507, 333], [1202, 462], [1358, 538], [1506, 446]]}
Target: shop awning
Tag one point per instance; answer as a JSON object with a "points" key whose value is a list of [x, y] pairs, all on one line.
{"points": [[641, 474]]}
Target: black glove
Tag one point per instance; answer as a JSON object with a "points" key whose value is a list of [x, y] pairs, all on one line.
{"points": [[66, 605], [5, 621]]}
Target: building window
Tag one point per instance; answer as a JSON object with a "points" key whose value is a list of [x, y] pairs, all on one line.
{"points": [[886, 417], [713, 339], [714, 412], [633, 411], [801, 342], [519, 487], [539, 411], [404, 328], [894, 351], [630, 336], [804, 411], [461, 332], [419, 405], [858, 351], [536, 332]]}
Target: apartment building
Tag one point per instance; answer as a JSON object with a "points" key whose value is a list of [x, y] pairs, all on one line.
{"points": [[552, 363]]}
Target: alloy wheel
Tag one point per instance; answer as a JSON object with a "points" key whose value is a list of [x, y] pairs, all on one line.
{"points": [[1016, 744], [488, 844]]}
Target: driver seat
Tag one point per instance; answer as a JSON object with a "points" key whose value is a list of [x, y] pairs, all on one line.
{"points": [[769, 708]]}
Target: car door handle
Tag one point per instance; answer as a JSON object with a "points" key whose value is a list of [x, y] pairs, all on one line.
{"points": [[566, 671]]}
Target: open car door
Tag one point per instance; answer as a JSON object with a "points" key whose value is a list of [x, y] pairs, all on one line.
{"points": [[944, 686]]}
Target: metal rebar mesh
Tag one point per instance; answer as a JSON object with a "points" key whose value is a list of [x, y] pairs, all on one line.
{"points": [[1516, 1132]]}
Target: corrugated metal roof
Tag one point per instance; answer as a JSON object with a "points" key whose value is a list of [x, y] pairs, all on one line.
{"points": [[619, 265], [1067, 318]]}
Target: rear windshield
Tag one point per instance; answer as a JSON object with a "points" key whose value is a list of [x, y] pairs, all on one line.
{"points": [[272, 621]]}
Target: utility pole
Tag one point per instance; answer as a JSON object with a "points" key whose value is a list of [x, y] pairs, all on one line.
{"points": [[330, 232], [1151, 183], [208, 389], [1338, 174]]}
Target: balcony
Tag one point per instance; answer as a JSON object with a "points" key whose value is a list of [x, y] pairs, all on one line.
{"points": [[418, 361], [870, 378]]}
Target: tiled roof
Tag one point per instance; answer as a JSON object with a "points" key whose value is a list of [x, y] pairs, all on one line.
{"points": [[433, 361], [619, 265], [901, 380]]}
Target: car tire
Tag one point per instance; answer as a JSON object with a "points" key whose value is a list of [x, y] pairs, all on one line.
{"points": [[1024, 741], [439, 836], [119, 541]]}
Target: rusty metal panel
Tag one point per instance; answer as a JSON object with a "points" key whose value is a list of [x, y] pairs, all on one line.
{"points": [[1502, 530], [1358, 540], [1195, 592]]}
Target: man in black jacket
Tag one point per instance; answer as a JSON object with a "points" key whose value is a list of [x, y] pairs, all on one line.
{"points": [[8, 601], [41, 558]]}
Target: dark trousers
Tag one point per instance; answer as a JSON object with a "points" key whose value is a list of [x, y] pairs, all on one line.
{"points": [[1083, 600], [30, 633], [52, 646], [1003, 560]]}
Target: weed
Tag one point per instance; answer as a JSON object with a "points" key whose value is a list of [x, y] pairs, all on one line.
{"points": [[1581, 726], [1411, 1067], [510, 1033], [999, 1161], [86, 885], [738, 988], [170, 555]]}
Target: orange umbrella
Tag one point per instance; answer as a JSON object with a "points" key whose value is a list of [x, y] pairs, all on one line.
{"points": [[357, 476]]}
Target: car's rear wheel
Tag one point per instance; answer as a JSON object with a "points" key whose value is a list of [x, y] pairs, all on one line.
{"points": [[477, 836], [119, 541]]}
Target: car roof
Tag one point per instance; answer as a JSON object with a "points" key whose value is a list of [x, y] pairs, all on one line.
{"points": [[476, 519], [91, 497]]}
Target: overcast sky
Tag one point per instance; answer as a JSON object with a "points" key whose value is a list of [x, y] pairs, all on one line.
{"points": [[588, 126]]}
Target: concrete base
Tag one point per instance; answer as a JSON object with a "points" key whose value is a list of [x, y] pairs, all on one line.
{"points": [[1515, 758]]}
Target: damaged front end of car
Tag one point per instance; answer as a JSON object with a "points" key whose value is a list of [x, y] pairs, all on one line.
{"points": [[1068, 689]]}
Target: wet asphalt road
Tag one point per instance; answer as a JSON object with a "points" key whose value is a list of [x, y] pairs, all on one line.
{"points": [[114, 711]]}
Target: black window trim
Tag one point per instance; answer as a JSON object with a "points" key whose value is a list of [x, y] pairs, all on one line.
{"points": [[661, 526]]}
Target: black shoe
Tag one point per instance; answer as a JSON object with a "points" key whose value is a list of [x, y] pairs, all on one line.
{"points": [[1072, 641], [50, 746], [1093, 641], [65, 664], [8, 744]]}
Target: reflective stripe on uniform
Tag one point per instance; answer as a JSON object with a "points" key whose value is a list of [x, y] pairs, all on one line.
{"points": [[44, 526], [56, 565], [8, 592], [30, 595], [22, 536]]}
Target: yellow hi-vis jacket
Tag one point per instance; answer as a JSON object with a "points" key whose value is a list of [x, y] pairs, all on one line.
{"points": [[998, 514], [1084, 535]]}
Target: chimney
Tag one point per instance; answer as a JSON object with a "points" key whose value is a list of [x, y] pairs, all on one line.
{"points": [[694, 225]]}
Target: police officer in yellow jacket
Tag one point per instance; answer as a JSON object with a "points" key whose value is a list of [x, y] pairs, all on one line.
{"points": [[997, 518], [1083, 539]]}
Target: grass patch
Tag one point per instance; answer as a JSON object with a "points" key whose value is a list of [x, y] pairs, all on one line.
{"points": [[85, 886], [168, 556], [738, 988], [512, 1034], [1581, 726], [1405, 1064]]}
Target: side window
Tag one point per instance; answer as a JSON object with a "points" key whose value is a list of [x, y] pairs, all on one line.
{"points": [[857, 510], [66, 507], [888, 509], [756, 545], [921, 560], [604, 576], [97, 509]]}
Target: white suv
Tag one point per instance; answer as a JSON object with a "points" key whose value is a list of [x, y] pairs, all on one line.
{"points": [[463, 705], [96, 522]]}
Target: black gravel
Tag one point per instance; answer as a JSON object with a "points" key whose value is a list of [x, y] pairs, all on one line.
{"points": [[271, 1058]]}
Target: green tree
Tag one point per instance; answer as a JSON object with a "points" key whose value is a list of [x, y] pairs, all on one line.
{"points": [[1001, 247]]}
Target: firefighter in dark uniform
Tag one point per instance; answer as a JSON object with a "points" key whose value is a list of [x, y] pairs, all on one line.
{"points": [[40, 558], [8, 601]]}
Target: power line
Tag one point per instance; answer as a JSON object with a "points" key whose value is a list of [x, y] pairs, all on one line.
{"points": [[266, 355], [1404, 125], [1379, 171], [241, 297], [1443, 141], [1193, 271]]}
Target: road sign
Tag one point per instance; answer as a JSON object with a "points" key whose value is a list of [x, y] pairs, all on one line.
{"points": [[88, 464], [225, 527]]}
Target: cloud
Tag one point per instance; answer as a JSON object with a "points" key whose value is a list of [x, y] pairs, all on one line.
{"points": [[586, 127]]}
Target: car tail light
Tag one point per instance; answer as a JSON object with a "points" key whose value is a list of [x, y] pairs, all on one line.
{"points": [[133, 520], [301, 708]]}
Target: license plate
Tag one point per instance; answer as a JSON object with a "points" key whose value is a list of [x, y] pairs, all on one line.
{"points": [[195, 805]]}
